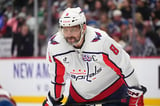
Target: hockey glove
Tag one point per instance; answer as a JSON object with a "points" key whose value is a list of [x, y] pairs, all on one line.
{"points": [[51, 102], [136, 96]]}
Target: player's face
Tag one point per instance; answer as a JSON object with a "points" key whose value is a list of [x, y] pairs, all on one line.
{"points": [[72, 34]]}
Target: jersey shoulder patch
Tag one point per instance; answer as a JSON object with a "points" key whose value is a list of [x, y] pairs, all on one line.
{"points": [[97, 37], [53, 41]]}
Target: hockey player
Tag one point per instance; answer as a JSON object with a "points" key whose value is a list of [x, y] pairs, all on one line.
{"points": [[5, 98], [99, 69]]}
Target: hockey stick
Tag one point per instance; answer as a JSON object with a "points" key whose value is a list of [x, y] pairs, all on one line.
{"points": [[123, 101]]}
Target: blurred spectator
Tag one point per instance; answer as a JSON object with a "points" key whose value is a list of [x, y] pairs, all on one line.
{"points": [[42, 36], [18, 4], [98, 9], [56, 11], [124, 31], [112, 16], [23, 42], [144, 46], [31, 22], [92, 23], [5, 98], [103, 27], [8, 9], [117, 17], [158, 49], [143, 9], [126, 9], [90, 20], [157, 9], [153, 35], [139, 21], [156, 15], [117, 20], [5, 31], [131, 38], [117, 37], [16, 22], [1, 19], [110, 7], [42, 9], [104, 21], [90, 4]]}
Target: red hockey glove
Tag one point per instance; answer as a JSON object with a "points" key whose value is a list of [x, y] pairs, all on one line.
{"points": [[136, 96], [51, 102]]}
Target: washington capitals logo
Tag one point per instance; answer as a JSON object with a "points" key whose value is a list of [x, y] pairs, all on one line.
{"points": [[53, 40], [98, 35]]}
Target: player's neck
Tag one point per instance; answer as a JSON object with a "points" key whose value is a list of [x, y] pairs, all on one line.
{"points": [[80, 44]]}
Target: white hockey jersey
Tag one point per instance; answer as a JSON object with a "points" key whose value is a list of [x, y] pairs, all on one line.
{"points": [[96, 70]]}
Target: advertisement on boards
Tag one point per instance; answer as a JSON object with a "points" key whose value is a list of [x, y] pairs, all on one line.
{"points": [[29, 77], [24, 77]]}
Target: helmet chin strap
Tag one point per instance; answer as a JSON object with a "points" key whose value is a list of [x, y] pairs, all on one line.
{"points": [[82, 35]]}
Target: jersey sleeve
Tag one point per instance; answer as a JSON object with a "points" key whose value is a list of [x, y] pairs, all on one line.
{"points": [[57, 74], [119, 61]]}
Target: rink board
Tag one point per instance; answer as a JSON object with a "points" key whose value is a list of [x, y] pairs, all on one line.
{"points": [[27, 78], [23, 99]]}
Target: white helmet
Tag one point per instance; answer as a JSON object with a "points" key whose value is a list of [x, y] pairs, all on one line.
{"points": [[72, 17]]}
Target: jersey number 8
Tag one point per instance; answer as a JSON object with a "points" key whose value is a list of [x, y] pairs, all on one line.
{"points": [[114, 49]]}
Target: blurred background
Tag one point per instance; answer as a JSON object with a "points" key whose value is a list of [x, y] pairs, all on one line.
{"points": [[26, 26]]}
